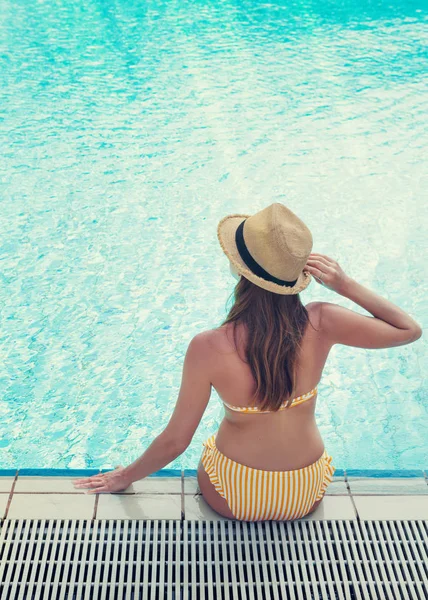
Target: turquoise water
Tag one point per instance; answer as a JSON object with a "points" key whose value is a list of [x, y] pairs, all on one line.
{"points": [[129, 129]]}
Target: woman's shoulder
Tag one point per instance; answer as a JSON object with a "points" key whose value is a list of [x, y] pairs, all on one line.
{"points": [[314, 307], [314, 311], [205, 339], [217, 339], [199, 350]]}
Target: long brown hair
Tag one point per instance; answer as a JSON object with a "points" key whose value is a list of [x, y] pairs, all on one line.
{"points": [[275, 324]]}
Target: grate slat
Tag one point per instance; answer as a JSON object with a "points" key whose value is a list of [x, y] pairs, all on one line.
{"points": [[120, 550], [401, 544], [201, 555], [216, 555], [263, 533], [255, 546], [311, 541], [210, 583], [43, 563], [9, 550], [185, 560], [157, 567], [73, 560], [329, 558], [105, 564], [362, 577], [100, 533], [62, 527], [421, 534], [370, 563], [414, 556], [384, 560], [308, 575], [404, 578], [282, 551], [226, 532], [351, 566], [28, 573], [210, 560], [248, 561], [170, 561], [284, 563], [146, 562], [242, 575], [140, 545], [193, 572], [341, 562], [305, 547], [377, 559], [296, 580], [83, 561], [53, 562]]}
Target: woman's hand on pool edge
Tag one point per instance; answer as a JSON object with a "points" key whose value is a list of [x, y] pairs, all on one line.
{"points": [[112, 481]]}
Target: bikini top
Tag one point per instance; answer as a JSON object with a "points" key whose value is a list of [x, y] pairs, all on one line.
{"points": [[254, 409]]}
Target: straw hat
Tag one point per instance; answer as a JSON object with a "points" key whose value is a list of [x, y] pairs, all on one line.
{"points": [[269, 248]]}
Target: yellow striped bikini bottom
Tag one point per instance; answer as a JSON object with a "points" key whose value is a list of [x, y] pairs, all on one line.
{"points": [[256, 495]]}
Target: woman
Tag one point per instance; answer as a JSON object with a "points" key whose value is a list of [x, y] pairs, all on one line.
{"points": [[267, 460]]}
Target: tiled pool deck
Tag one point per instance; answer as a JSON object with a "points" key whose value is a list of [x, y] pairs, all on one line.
{"points": [[171, 494]]}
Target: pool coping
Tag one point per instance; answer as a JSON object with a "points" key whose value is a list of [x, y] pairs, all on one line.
{"points": [[175, 494], [35, 472]]}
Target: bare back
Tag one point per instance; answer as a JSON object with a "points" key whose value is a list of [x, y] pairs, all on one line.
{"points": [[278, 441]]}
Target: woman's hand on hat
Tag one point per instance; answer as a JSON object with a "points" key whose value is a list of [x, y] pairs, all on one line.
{"points": [[326, 271]]}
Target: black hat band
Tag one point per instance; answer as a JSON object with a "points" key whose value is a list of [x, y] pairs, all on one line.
{"points": [[252, 264]]}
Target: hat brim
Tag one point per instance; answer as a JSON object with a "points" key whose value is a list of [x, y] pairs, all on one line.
{"points": [[226, 231]]}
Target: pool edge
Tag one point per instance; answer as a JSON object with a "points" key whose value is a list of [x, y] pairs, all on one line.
{"points": [[34, 472]]}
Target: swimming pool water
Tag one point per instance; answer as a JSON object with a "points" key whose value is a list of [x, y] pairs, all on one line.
{"points": [[129, 130]]}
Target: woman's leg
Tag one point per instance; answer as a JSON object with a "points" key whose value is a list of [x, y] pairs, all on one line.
{"points": [[315, 505]]}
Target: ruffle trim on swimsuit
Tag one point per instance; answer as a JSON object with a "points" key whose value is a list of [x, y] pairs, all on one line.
{"points": [[208, 463], [329, 470]]}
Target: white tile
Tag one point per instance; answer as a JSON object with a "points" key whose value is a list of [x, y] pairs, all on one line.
{"points": [[191, 485], [52, 506], [387, 485], [156, 485], [6, 484], [196, 508], [47, 484], [3, 503], [333, 508], [153, 485], [374, 508], [146, 506], [337, 488]]}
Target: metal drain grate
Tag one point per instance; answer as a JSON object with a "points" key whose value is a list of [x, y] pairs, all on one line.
{"points": [[213, 560]]}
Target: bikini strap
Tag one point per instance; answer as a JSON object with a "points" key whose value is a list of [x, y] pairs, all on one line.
{"points": [[254, 409]]}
